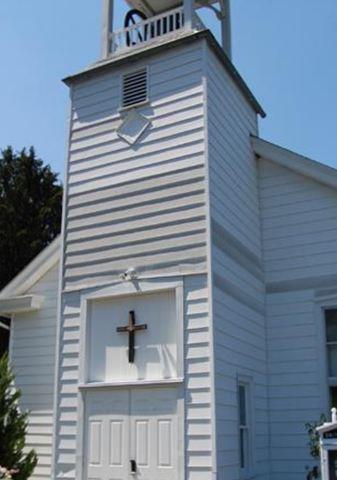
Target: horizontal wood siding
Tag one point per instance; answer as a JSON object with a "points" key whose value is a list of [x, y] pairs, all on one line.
{"points": [[295, 379], [238, 288], [140, 205], [197, 380], [33, 358], [299, 227], [198, 408], [233, 188], [68, 377]]}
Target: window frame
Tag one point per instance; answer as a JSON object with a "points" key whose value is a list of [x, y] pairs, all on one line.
{"points": [[324, 302], [331, 379], [246, 382]]}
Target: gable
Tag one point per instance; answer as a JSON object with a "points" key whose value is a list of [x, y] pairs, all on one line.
{"points": [[299, 226], [34, 271], [295, 162], [33, 354]]}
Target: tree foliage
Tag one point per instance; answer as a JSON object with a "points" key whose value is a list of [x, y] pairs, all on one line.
{"points": [[13, 427], [313, 445], [30, 209]]}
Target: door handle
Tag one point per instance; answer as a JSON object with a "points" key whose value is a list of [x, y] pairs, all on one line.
{"points": [[133, 466]]}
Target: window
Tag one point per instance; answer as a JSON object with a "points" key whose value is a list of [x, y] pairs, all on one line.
{"points": [[245, 434], [4, 335], [333, 397], [331, 343], [135, 88]]}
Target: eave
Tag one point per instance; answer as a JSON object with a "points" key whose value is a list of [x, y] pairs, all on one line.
{"points": [[293, 161], [153, 48], [33, 271], [20, 304]]}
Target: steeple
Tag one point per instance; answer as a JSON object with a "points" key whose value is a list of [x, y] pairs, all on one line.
{"points": [[151, 21]]}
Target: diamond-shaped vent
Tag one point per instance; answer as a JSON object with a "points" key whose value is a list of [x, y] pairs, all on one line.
{"points": [[132, 127]]}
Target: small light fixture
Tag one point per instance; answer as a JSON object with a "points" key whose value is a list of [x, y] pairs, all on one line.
{"points": [[129, 275]]}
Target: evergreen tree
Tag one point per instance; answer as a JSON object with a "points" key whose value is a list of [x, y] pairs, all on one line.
{"points": [[30, 209], [13, 426]]}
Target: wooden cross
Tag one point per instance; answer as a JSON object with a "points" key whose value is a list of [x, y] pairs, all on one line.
{"points": [[131, 328]]}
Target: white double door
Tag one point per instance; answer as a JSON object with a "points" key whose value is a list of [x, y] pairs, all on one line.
{"points": [[133, 434]]}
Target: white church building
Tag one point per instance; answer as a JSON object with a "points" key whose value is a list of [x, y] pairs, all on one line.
{"points": [[184, 325]]}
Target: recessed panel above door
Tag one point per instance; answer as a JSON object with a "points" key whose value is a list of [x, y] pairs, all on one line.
{"points": [[154, 342]]}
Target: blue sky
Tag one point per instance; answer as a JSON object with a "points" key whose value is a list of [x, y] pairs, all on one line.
{"points": [[284, 49]]}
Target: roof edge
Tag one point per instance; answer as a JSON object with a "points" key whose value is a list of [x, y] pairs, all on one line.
{"points": [[293, 161], [106, 65], [20, 304], [32, 273]]}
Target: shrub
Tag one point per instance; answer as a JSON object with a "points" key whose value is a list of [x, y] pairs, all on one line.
{"points": [[14, 463], [313, 445]]}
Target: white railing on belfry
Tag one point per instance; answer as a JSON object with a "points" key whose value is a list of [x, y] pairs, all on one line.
{"points": [[147, 30]]}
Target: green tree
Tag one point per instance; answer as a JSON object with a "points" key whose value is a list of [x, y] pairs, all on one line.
{"points": [[313, 445], [30, 209], [13, 427]]}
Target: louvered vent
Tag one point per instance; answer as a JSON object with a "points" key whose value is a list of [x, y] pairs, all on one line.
{"points": [[135, 87]]}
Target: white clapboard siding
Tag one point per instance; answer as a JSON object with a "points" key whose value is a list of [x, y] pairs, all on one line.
{"points": [[33, 339], [141, 205], [294, 378], [238, 288], [198, 444], [234, 193], [299, 225], [299, 228]]}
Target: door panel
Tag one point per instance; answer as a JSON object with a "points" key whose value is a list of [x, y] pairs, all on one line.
{"points": [[154, 427], [139, 424], [117, 431], [107, 434], [142, 437], [164, 443], [95, 442]]}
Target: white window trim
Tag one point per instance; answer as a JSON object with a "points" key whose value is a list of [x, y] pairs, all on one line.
{"points": [[247, 382], [332, 380], [324, 303]]}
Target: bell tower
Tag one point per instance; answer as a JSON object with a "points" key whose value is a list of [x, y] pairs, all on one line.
{"points": [[160, 257], [153, 13]]}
